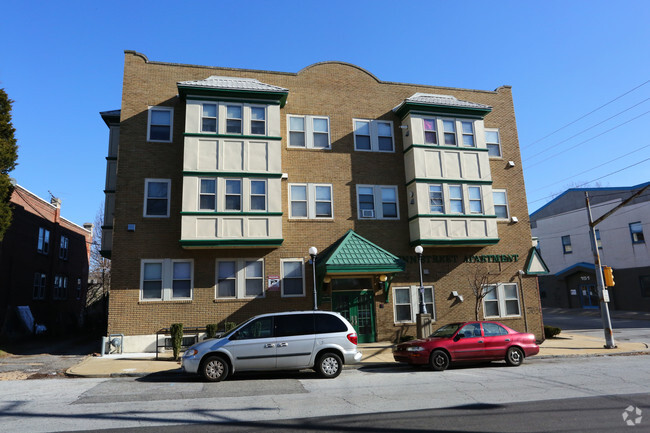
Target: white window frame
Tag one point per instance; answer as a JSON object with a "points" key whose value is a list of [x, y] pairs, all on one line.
{"points": [[216, 118], [240, 278], [241, 119], [507, 206], [377, 201], [460, 199], [309, 131], [167, 281], [63, 247], [251, 120], [434, 131], [489, 143], [373, 129], [40, 284], [445, 132], [414, 296], [501, 300], [240, 194], [171, 123], [214, 194], [480, 200], [302, 269], [442, 198], [251, 195], [310, 189], [43, 245], [463, 134], [168, 198]]}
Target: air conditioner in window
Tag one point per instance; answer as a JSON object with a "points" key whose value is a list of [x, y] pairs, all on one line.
{"points": [[367, 213]]}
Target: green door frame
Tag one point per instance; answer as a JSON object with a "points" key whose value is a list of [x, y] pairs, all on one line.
{"points": [[351, 310]]}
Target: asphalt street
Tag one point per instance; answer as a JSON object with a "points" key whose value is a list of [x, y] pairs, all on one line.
{"points": [[590, 323]]}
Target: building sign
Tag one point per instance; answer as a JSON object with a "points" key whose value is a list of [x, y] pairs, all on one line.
{"points": [[452, 258], [274, 283]]}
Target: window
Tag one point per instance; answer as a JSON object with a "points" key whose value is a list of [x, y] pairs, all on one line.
{"points": [[493, 330], [636, 231], [208, 194], [233, 194], [43, 241], [293, 282], [475, 203], [327, 323], [373, 135], [63, 248], [209, 118], [430, 134], [310, 200], [456, 199], [258, 120], [566, 244], [39, 285], [449, 127], [156, 200], [160, 124], [239, 278], [468, 133], [258, 195], [311, 132], [294, 324], [377, 202], [435, 199], [407, 303], [493, 142], [501, 300], [166, 279], [233, 119], [644, 284], [60, 287], [78, 288], [599, 244], [500, 203]]}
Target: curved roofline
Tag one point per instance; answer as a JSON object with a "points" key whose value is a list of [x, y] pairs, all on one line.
{"points": [[337, 62]]}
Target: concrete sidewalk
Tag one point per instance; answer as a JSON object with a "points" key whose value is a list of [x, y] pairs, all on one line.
{"points": [[375, 354]]}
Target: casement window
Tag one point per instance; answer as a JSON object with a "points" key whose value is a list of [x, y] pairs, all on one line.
{"points": [[310, 132], [40, 281], [233, 119], [493, 142], [449, 128], [160, 124], [156, 197], [209, 118], [258, 121], [239, 278], [599, 244], [430, 132], [500, 203], [208, 194], [501, 300], [60, 287], [475, 201], [566, 244], [406, 303], [166, 279], [63, 247], [43, 241], [373, 135], [644, 285], [233, 194], [456, 199], [258, 195], [310, 200], [436, 200], [636, 232], [468, 133], [293, 277], [377, 202]]}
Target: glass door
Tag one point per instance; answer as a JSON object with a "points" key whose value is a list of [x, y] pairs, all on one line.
{"points": [[357, 307]]}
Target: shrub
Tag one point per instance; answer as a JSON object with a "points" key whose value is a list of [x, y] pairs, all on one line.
{"points": [[404, 338], [176, 331], [227, 326], [211, 330], [551, 331]]}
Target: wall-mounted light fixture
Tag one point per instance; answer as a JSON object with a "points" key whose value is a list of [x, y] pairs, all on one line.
{"points": [[514, 219], [405, 127], [511, 163]]}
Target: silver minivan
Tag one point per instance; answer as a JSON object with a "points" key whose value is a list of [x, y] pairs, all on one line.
{"points": [[321, 340]]}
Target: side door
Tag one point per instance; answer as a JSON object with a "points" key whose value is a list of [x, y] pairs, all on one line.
{"points": [[295, 339], [468, 343], [496, 340], [253, 347]]}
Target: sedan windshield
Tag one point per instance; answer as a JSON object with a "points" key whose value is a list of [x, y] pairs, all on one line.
{"points": [[446, 331]]}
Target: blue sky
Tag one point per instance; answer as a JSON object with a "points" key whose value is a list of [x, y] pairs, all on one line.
{"points": [[62, 63]]}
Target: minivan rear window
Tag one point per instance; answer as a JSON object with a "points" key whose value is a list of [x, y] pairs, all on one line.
{"points": [[326, 323], [294, 324]]}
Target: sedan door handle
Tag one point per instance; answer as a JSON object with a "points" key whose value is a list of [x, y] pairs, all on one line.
{"points": [[268, 346], [283, 344], [480, 341], [507, 339]]}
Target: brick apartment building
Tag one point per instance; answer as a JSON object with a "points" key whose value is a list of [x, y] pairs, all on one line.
{"points": [[44, 265], [220, 180]]}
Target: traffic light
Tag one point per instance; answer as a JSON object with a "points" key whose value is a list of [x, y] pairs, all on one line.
{"points": [[608, 273]]}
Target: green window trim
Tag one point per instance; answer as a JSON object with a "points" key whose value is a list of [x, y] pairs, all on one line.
{"points": [[451, 242], [231, 174], [212, 98], [441, 110], [205, 243], [440, 215], [109, 191], [239, 136], [240, 95], [433, 146], [204, 213], [111, 158], [455, 181]]}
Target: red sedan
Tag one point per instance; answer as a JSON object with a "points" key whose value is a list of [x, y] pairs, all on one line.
{"points": [[468, 341]]}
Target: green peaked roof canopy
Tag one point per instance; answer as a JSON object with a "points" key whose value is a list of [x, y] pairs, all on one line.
{"points": [[355, 254], [535, 264]]}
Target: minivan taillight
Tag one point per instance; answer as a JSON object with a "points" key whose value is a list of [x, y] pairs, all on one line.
{"points": [[353, 338]]}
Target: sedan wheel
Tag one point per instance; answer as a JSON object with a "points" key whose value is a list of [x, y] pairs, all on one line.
{"points": [[215, 369], [439, 360], [329, 365], [514, 357]]}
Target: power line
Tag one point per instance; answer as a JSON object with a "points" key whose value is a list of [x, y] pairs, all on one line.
{"points": [[582, 117]]}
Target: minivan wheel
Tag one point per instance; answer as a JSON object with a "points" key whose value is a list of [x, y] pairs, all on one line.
{"points": [[439, 360], [215, 369], [329, 365], [514, 357]]}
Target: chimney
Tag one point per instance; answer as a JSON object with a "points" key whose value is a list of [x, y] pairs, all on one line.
{"points": [[56, 202]]}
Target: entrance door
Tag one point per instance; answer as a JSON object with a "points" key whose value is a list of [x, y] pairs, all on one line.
{"points": [[589, 296], [357, 308]]}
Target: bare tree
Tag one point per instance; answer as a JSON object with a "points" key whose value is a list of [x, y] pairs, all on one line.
{"points": [[481, 282], [99, 274]]}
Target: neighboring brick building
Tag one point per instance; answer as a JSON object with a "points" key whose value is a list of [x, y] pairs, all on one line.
{"points": [[224, 178], [44, 265]]}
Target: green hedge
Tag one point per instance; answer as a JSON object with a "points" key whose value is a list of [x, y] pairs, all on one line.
{"points": [[551, 331]]}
